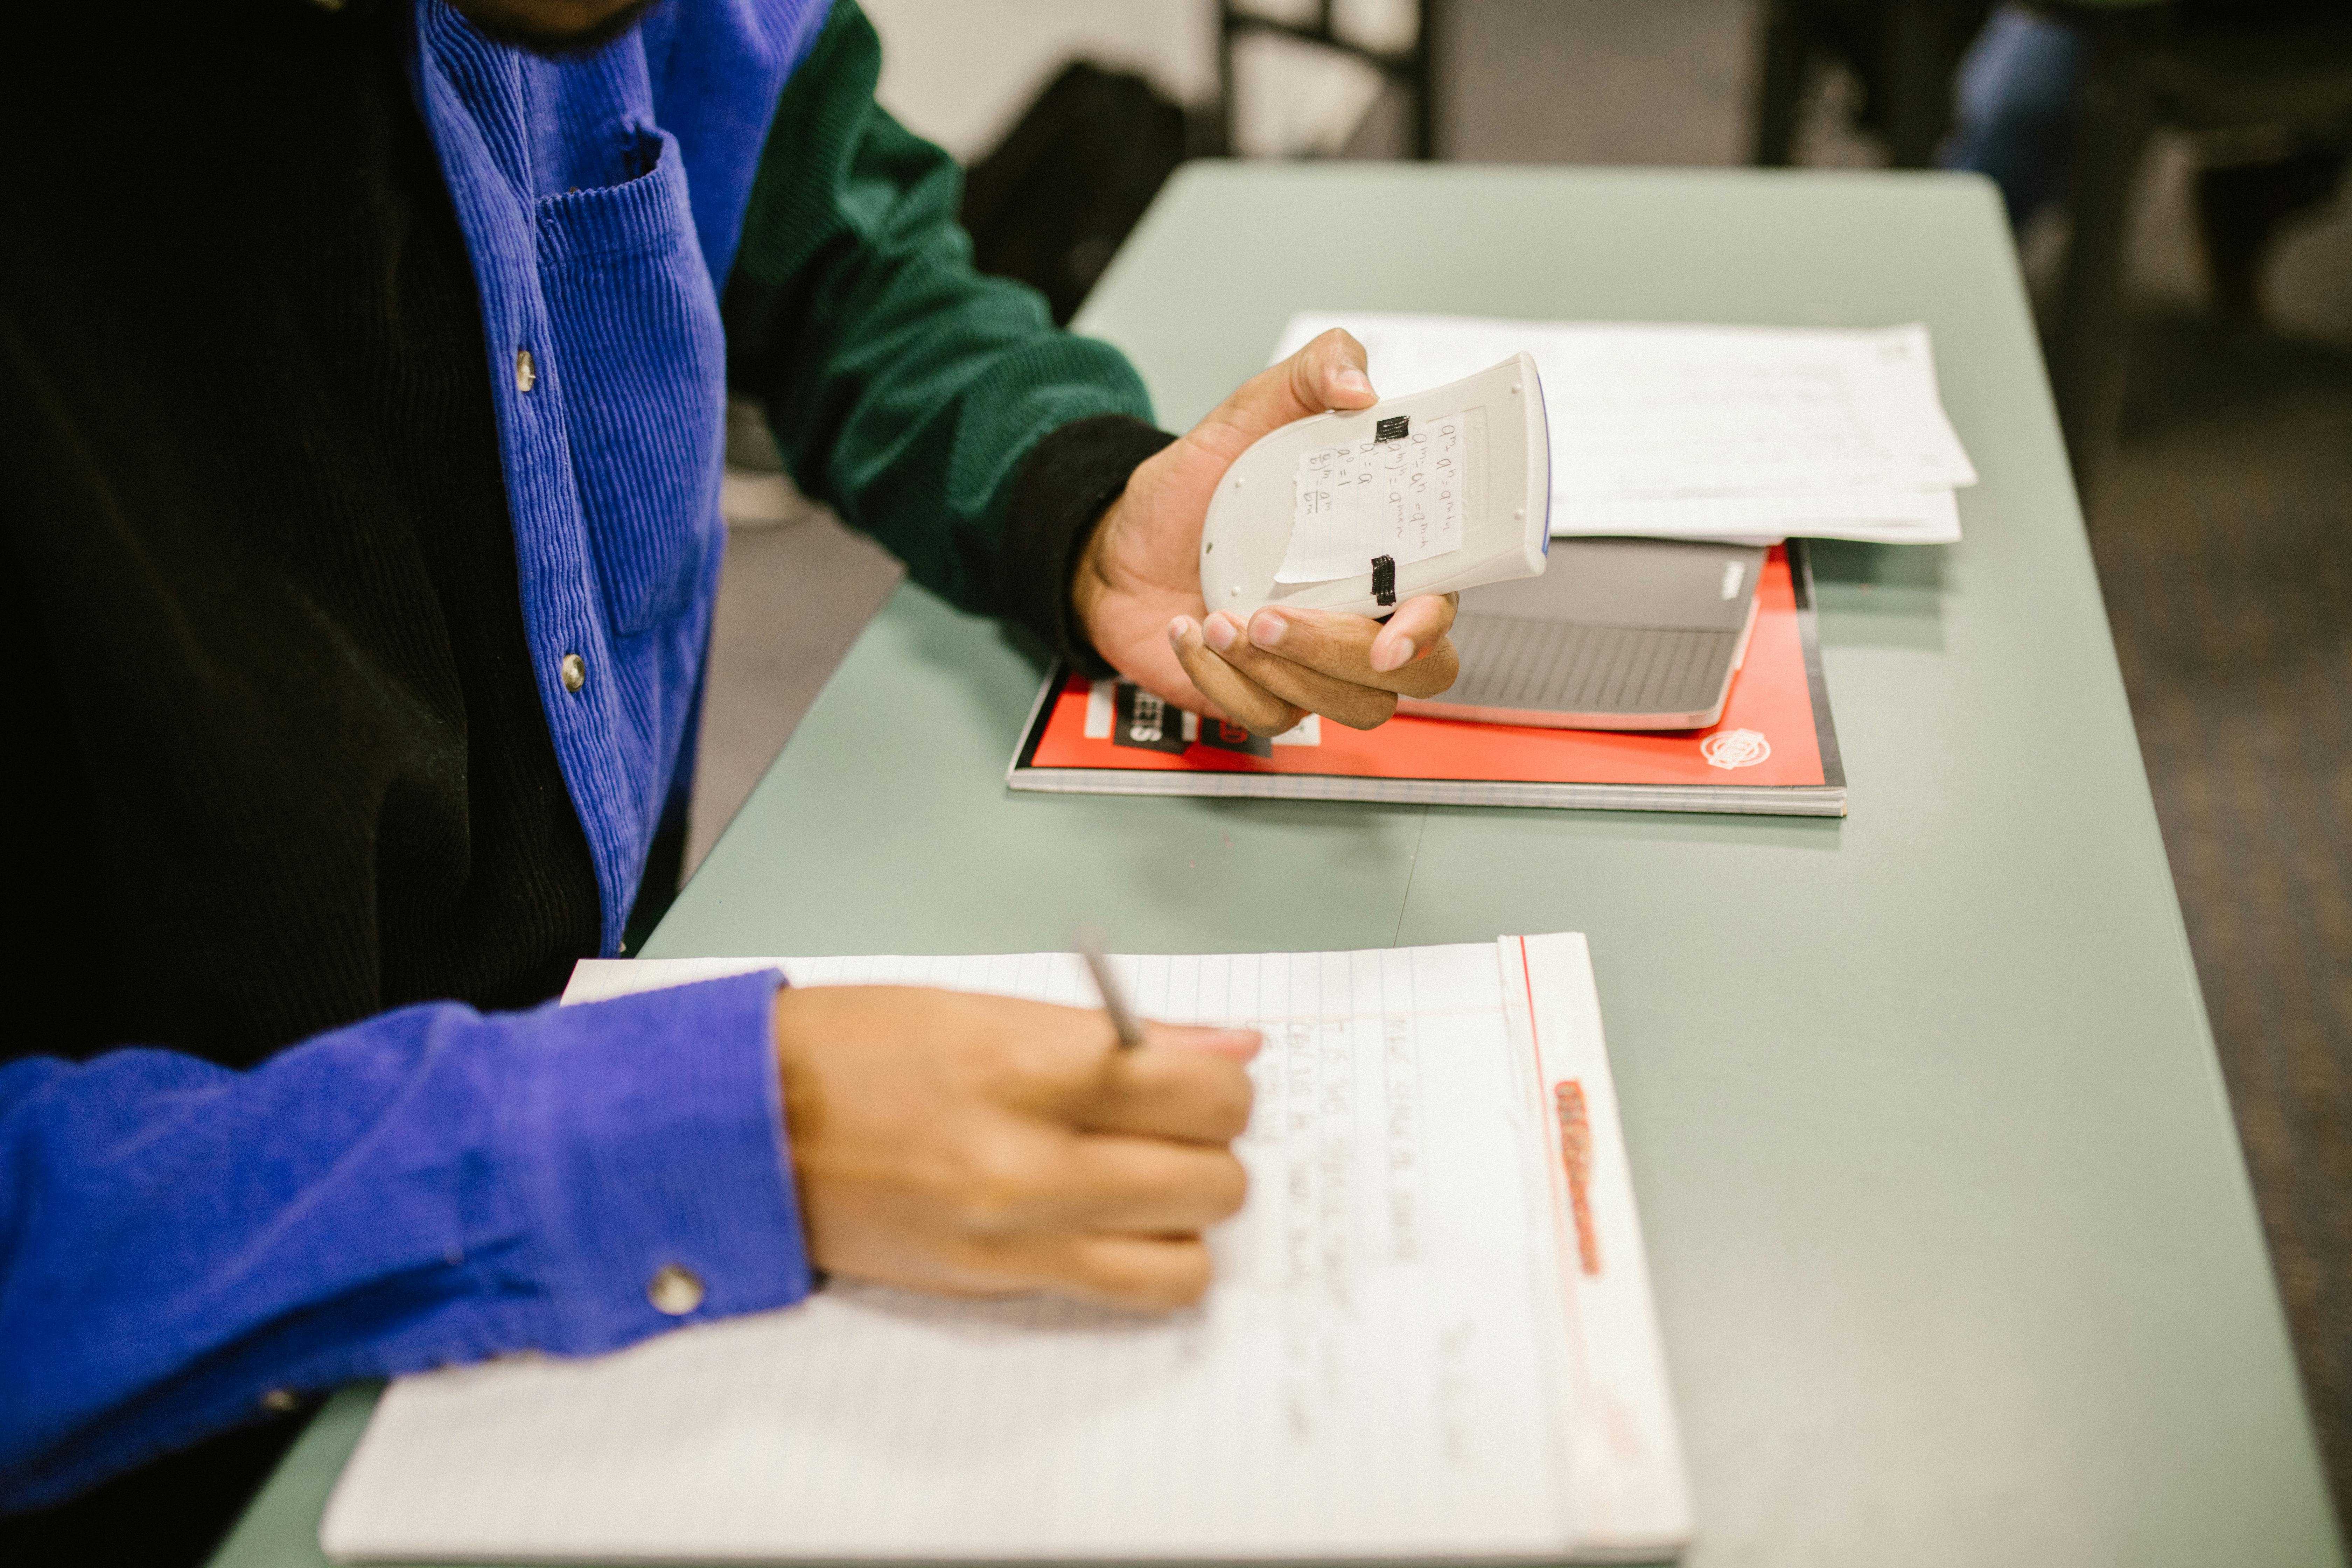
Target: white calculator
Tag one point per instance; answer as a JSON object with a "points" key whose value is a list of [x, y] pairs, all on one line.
{"points": [[1427, 494]]}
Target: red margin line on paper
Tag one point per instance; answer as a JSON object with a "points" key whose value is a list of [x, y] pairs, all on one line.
{"points": [[1579, 1196], [1528, 978]]}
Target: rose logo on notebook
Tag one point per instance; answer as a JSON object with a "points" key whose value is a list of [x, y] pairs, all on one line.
{"points": [[1734, 749], [1228, 737]]}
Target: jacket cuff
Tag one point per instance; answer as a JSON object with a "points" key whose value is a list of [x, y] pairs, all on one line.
{"points": [[1067, 482], [650, 1156]]}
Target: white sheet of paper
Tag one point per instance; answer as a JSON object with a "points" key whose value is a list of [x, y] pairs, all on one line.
{"points": [[1891, 517], [1401, 499], [1398, 1357], [1644, 410]]}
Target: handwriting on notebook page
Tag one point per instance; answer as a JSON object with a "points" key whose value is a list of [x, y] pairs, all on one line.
{"points": [[1377, 1369], [1359, 1328]]}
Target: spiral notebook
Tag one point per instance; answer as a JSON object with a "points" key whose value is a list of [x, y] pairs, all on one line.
{"points": [[1430, 1336]]}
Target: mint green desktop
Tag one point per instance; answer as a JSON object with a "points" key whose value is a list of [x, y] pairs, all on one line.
{"points": [[1952, 1243]]}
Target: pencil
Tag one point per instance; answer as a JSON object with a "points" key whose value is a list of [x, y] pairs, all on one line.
{"points": [[1114, 1001]]}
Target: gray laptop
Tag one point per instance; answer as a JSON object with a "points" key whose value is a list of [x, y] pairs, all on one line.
{"points": [[1618, 634]]}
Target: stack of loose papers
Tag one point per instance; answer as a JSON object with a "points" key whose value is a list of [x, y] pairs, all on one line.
{"points": [[1705, 432]]}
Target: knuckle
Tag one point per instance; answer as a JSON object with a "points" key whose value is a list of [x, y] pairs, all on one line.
{"points": [[1228, 1188], [986, 1266], [1368, 712], [1223, 679], [1433, 673], [994, 1188], [1263, 712], [1244, 659], [977, 1263], [1012, 1070], [1276, 718], [1229, 1104], [1240, 1105], [1185, 1279], [1154, 1276]]}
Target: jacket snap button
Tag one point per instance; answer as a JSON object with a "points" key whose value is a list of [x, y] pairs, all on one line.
{"points": [[674, 1291]]}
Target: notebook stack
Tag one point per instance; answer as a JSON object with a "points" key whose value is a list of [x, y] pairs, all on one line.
{"points": [[1726, 686]]}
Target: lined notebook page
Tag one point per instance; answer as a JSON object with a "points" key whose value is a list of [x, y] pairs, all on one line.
{"points": [[1387, 1365]]}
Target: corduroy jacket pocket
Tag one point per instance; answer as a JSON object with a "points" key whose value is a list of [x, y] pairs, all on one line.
{"points": [[640, 367]]}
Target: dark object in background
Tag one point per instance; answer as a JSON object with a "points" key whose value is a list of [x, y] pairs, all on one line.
{"points": [[1412, 69], [1051, 204], [1902, 53], [2241, 206], [2280, 70]]}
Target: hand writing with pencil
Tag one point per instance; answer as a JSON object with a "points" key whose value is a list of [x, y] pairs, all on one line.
{"points": [[1137, 586], [977, 1145], [974, 1145]]}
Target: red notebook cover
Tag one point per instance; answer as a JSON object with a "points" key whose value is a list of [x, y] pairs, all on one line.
{"points": [[1774, 751]]}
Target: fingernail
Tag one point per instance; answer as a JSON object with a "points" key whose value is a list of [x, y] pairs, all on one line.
{"points": [[1218, 630], [1239, 1043], [1267, 628], [1391, 653], [1177, 631], [1348, 378]]}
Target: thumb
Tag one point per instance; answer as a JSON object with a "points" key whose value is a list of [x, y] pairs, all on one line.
{"points": [[1328, 373]]}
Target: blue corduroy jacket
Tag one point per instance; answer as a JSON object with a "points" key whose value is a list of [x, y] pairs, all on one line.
{"points": [[713, 198]]}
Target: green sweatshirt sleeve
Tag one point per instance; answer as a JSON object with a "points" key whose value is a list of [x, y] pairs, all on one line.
{"points": [[936, 409]]}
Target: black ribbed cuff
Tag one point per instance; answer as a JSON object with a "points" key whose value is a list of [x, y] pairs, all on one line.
{"points": [[1063, 489]]}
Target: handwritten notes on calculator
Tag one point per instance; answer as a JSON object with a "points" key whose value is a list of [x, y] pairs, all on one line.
{"points": [[1399, 496]]}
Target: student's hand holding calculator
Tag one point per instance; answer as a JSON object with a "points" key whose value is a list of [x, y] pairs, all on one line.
{"points": [[1137, 589]]}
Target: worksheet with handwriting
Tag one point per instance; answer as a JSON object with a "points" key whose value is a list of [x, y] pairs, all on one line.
{"points": [[1430, 1333]]}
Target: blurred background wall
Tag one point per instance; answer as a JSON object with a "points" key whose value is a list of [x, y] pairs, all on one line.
{"points": [[962, 73], [2222, 519]]}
